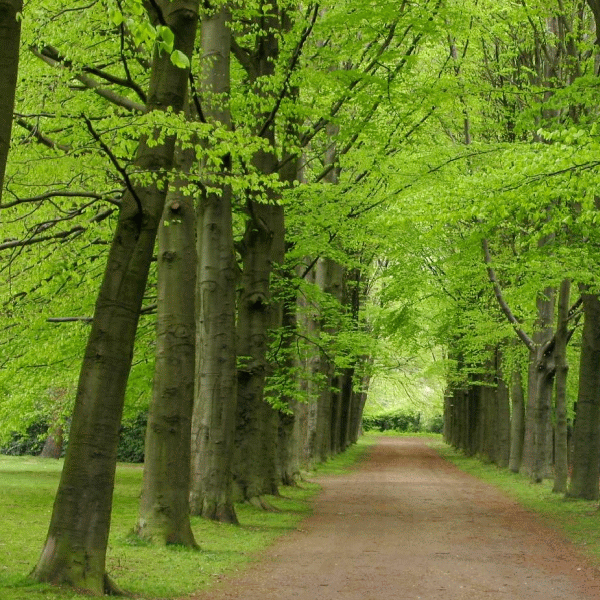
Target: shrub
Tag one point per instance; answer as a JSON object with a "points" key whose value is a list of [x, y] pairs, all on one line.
{"points": [[131, 440], [402, 421], [29, 442]]}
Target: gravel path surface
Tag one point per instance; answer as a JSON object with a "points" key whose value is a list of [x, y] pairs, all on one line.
{"points": [[407, 525]]}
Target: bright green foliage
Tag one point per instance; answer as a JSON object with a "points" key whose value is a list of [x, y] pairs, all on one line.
{"points": [[449, 132]]}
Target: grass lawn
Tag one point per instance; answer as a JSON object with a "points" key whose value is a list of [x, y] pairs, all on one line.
{"points": [[27, 487], [578, 520]]}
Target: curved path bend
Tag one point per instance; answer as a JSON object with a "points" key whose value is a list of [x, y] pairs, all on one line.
{"points": [[407, 525]]}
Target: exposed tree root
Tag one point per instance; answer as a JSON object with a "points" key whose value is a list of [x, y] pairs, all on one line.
{"points": [[260, 502], [112, 589]]}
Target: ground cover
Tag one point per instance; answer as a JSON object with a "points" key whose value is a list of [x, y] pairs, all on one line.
{"points": [[27, 487]]}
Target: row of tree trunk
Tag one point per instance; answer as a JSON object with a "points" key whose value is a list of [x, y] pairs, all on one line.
{"points": [[492, 417], [225, 422]]}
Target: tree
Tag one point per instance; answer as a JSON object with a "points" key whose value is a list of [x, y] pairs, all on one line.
{"points": [[216, 390], [75, 549], [164, 504]]}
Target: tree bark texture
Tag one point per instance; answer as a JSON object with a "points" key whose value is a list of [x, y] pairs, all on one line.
{"points": [[255, 457], [502, 453], [216, 390], [536, 459], [75, 550], [586, 429], [561, 466], [164, 505], [10, 35], [259, 313], [328, 278], [517, 421]]}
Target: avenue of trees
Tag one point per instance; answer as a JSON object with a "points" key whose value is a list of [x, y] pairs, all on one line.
{"points": [[240, 213]]}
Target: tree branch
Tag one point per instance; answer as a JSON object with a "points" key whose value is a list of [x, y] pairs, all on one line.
{"points": [[40, 137], [146, 310], [115, 162], [290, 70], [63, 194], [502, 302], [51, 57]]}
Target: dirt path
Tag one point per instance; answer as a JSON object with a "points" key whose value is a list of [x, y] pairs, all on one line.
{"points": [[406, 526]]}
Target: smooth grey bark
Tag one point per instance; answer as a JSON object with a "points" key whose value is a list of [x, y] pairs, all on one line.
{"points": [[536, 458], [586, 429], [561, 467], [502, 454], [10, 35], [74, 553], [216, 389], [329, 278], [164, 516], [259, 313], [517, 421]]}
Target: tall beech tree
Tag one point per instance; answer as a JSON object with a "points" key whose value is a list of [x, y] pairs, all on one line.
{"points": [[75, 549], [216, 389], [586, 429], [263, 251], [586, 440], [164, 505]]}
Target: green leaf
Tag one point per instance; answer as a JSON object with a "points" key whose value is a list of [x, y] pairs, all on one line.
{"points": [[179, 59]]}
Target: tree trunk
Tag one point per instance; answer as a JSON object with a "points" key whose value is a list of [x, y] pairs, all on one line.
{"points": [[536, 460], [263, 250], [586, 430], [503, 418], [216, 392], [255, 472], [164, 505], [561, 466], [517, 422], [346, 407], [329, 276], [53, 446], [75, 549], [10, 35]]}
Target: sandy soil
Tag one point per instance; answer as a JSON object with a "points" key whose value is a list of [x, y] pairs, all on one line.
{"points": [[407, 525]]}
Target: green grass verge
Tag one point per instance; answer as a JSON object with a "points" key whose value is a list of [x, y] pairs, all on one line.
{"points": [[578, 520], [27, 488]]}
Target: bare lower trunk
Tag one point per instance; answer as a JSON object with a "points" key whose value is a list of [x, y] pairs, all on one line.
{"points": [[216, 390], [164, 505], [75, 550], [503, 419], [255, 456], [536, 459], [517, 422], [561, 466], [586, 430]]}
